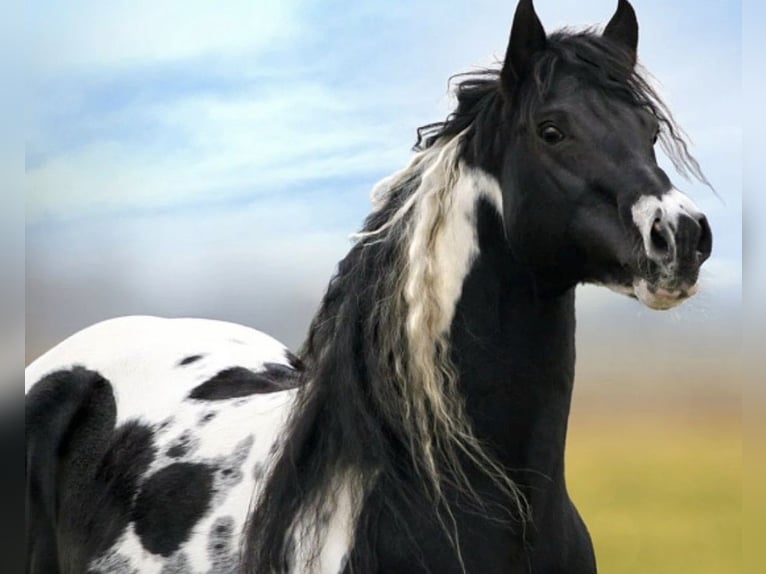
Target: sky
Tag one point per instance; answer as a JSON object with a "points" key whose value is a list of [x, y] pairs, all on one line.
{"points": [[212, 159]]}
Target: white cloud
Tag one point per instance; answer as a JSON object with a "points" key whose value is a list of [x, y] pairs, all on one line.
{"points": [[227, 147], [83, 33]]}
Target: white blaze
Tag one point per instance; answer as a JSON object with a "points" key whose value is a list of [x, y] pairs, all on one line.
{"points": [[667, 208]]}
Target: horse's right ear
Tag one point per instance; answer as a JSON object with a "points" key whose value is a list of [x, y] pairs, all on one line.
{"points": [[527, 38]]}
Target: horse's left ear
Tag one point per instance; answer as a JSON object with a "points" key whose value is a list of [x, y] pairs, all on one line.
{"points": [[623, 28], [527, 38]]}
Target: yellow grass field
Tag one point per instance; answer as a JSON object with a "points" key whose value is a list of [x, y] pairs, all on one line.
{"points": [[659, 495]]}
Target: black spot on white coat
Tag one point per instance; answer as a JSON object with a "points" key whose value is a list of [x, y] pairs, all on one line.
{"points": [[183, 446], [221, 548], [170, 504], [241, 382], [189, 360], [164, 425], [206, 418], [228, 469]]}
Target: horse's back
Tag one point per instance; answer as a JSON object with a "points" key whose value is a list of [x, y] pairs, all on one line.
{"points": [[146, 439]]}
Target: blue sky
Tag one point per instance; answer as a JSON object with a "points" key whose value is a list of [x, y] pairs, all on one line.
{"points": [[212, 159]]}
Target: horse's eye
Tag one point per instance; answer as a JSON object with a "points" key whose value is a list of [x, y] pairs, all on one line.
{"points": [[656, 137], [550, 134]]}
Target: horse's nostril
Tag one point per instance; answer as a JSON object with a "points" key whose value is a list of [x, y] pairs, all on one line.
{"points": [[659, 238], [705, 243]]}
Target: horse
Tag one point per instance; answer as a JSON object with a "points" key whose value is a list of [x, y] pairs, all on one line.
{"points": [[421, 426]]}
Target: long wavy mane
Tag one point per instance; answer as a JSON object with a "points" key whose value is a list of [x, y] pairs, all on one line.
{"points": [[380, 403]]}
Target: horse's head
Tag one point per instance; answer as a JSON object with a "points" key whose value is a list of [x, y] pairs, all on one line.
{"points": [[583, 197]]}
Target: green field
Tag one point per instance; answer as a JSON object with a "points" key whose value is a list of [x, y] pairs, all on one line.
{"points": [[659, 497]]}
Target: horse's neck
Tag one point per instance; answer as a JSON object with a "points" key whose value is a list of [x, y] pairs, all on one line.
{"points": [[514, 351]]}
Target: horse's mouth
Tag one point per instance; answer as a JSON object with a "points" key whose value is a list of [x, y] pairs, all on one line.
{"points": [[656, 287], [656, 292], [657, 297]]}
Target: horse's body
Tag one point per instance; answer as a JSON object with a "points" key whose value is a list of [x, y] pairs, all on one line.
{"points": [[422, 428], [185, 411]]}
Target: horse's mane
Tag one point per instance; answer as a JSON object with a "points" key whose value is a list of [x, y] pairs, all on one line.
{"points": [[380, 404]]}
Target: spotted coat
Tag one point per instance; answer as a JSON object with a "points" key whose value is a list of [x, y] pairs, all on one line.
{"points": [[147, 442]]}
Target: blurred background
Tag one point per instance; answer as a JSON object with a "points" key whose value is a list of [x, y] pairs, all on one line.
{"points": [[212, 159]]}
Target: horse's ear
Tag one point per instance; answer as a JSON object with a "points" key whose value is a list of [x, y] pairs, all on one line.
{"points": [[527, 38], [623, 28]]}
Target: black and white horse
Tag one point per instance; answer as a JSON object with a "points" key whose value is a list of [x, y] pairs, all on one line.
{"points": [[421, 428]]}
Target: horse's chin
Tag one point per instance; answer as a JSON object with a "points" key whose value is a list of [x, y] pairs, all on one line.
{"points": [[659, 298], [652, 295]]}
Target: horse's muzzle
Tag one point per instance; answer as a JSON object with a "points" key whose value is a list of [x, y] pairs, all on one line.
{"points": [[677, 240]]}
